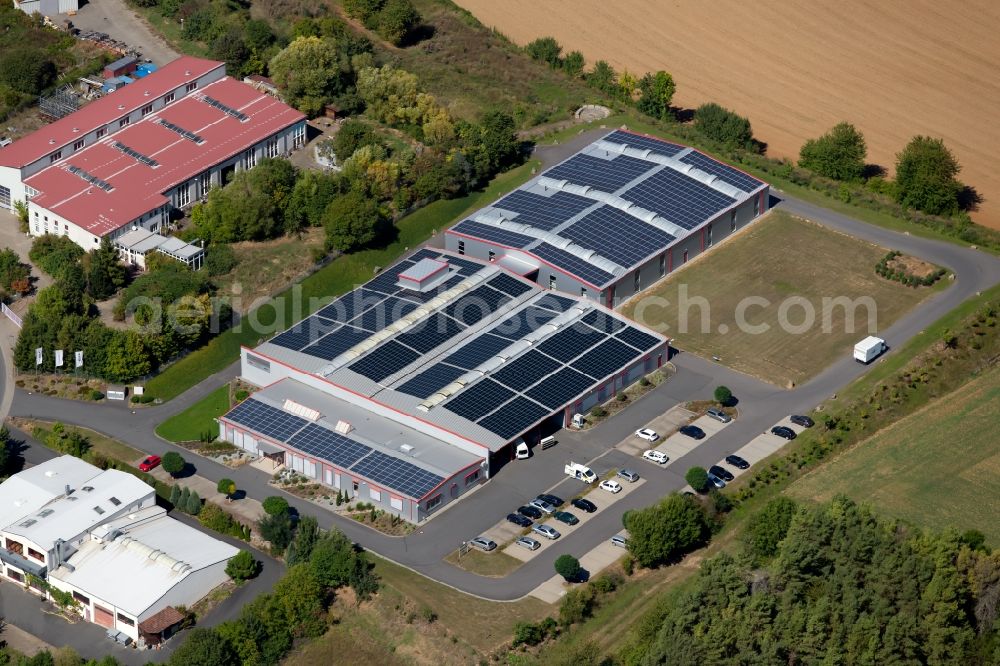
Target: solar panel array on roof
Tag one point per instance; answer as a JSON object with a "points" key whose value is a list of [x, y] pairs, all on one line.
{"points": [[622, 238], [570, 342], [136, 155], [726, 173], [430, 332], [304, 333], [555, 302], [386, 281], [389, 358], [266, 420], [603, 321], [479, 399], [604, 359], [638, 339], [572, 264], [336, 343], [519, 325], [431, 380], [541, 212], [93, 180], [477, 351], [682, 200], [476, 304], [606, 175], [525, 370], [644, 143], [228, 110], [329, 445], [177, 129], [560, 388], [492, 233], [514, 418], [397, 474], [384, 313], [349, 305]]}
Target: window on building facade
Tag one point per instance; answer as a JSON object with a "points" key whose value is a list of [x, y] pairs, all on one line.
{"points": [[82, 599], [259, 363], [461, 247], [434, 502], [191, 86], [756, 206], [126, 620], [183, 196], [708, 236], [732, 220], [583, 292], [249, 159], [101, 132], [271, 148], [685, 259], [168, 98], [636, 279], [396, 503], [552, 282], [375, 494], [55, 156], [663, 265], [78, 145], [148, 109], [298, 136], [204, 184], [472, 478], [124, 121], [36, 555]]}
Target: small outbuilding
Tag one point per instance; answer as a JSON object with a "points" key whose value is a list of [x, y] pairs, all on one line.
{"points": [[120, 67]]}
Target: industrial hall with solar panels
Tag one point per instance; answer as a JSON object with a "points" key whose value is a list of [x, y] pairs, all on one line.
{"points": [[416, 387], [614, 218]]}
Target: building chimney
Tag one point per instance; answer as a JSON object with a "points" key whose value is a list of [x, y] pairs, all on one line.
{"points": [[68, 491]]}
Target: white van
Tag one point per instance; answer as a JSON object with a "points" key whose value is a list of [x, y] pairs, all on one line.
{"points": [[521, 451]]}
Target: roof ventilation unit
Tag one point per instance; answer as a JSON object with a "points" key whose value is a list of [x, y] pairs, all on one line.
{"points": [[406, 448], [343, 427]]}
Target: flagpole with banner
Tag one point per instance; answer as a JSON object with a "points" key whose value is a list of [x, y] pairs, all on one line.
{"points": [[59, 358], [78, 358], [38, 357]]}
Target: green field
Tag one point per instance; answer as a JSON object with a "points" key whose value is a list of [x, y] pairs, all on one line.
{"points": [[779, 258], [939, 467], [199, 418]]}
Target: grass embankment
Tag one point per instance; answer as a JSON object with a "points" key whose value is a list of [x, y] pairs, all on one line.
{"points": [[197, 419], [495, 564], [340, 276], [99, 444], [824, 265], [939, 467]]}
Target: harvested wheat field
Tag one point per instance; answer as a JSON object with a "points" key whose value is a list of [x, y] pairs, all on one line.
{"points": [[796, 68]]}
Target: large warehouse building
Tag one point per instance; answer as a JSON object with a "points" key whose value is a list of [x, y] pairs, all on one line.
{"points": [[614, 218], [128, 159], [413, 388]]}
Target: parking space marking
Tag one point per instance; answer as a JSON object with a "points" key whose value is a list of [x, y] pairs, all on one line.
{"points": [[593, 562], [666, 422], [678, 445], [762, 446]]}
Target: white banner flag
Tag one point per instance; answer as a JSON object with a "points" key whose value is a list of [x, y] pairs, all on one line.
{"points": [[38, 356], [59, 358], [79, 359]]}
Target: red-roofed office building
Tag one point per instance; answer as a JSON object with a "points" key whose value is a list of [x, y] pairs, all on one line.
{"points": [[126, 160]]}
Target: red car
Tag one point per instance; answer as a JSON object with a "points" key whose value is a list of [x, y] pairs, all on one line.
{"points": [[149, 463]]}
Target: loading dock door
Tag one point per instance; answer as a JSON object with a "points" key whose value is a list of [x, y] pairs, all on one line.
{"points": [[104, 617]]}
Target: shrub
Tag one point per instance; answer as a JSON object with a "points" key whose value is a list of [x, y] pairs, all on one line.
{"points": [[767, 527], [242, 395], [666, 530], [577, 605], [723, 395], [276, 528], [226, 487], [598, 412], [242, 566], [219, 259], [275, 505], [194, 504], [544, 49], [838, 154], [173, 463], [926, 177], [568, 567], [724, 126]]}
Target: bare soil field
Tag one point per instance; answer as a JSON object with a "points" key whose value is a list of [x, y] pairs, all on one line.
{"points": [[796, 68]]}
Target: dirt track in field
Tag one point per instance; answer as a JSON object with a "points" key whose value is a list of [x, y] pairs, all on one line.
{"points": [[895, 68]]}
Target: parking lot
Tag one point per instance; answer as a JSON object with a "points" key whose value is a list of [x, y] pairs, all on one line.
{"points": [[764, 445]]}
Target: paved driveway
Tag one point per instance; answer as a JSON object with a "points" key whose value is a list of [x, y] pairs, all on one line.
{"points": [[117, 19]]}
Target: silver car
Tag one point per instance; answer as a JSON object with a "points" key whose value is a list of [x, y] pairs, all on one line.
{"points": [[719, 415], [542, 505], [484, 544], [619, 540], [629, 475], [546, 531], [528, 542]]}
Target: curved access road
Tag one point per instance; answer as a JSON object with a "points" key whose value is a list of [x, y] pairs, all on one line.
{"points": [[423, 551]]}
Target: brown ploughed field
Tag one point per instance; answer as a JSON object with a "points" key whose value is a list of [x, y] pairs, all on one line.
{"points": [[795, 68]]}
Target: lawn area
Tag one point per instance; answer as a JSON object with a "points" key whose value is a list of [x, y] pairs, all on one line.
{"points": [[106, 446], [338, 277], [939, 467], [197, 419], [496, 564], [823, 265]]}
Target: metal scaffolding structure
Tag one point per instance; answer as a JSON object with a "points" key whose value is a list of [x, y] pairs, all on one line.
{"points": [[60, 103]]}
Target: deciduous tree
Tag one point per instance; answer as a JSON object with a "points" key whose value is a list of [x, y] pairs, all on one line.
{"points": [[568, 567], [173, 464], [545, 49], [926, 176], [662, 532], [311, 72], [657, 91], [838, 154]]}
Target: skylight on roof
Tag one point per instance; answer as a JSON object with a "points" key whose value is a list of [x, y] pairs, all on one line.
{"points": [[190, 136], [93, 180], [136, 155], [228, 110]]}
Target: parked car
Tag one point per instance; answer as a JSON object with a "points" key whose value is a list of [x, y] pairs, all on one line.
{"points": [[653, 455], [484, 544], [737, 462], [529, 511], [801, 420], [629, 475], [718, 415], [542, 505], [647, 434], [721, 472], [584, 505], [551, 499], [529, 543], [546, 531], [149, 463], [611, 486], [716, 481], [692, 431], [619, 540], [565, 517], [519, 520], [783, 431]]}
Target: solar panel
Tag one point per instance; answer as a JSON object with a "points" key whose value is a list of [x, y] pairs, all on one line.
{"points": [[559, 389], [479, 399], [605, 359], [645, 143], [305, 332], [397, 474], [603, 321], [93, 180], [555, 302], [424, 253], [386, 281], [266, 420], [336, 343], [615, 234], [385, 360], [726, 173], [465, 267], [679, 198], [509, 285], [383, 313], [573, 265], [177, 129], [430, 295], [476, 304], [136, 155], [525, 370], [349, 305], [542, 212], [524, 322], [478, 350], [228, 110], [639, 339], [324, 443], [605, 175], [494, 234], [429, 333], [569, 343], [514, 418], [431, 380]]}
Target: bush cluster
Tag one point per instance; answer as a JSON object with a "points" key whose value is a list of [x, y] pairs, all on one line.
{"points": [[882, 268]]}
